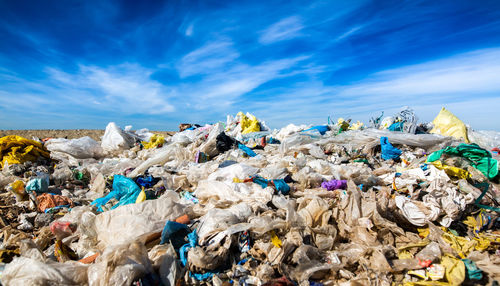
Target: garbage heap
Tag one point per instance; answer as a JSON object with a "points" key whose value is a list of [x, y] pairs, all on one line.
{"points": [[235, 203]]}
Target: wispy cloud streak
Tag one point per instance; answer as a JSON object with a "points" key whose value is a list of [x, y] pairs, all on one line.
{"points": [[285, 29]]}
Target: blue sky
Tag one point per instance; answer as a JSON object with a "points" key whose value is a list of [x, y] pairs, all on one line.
{"points": [[155, 64]]}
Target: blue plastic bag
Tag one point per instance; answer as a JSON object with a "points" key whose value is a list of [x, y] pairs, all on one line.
{"points": [[146, 181], [322, 129], [38, 185], [125, 190], [388, 151], [247, 150], [397, 126], [175, 233], [282, 186]]}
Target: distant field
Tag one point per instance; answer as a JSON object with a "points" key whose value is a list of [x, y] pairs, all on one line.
{"points": [[96, 134]]}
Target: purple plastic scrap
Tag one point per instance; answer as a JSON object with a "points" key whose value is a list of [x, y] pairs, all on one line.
{"points": [[334, 185]]}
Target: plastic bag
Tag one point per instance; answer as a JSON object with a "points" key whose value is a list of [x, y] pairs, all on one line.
{"points": [[486, 139], [163, 258], [125, 190], [210, 145], [388, 151], [248, 123], [39, 184], [81, 148], [448, 124], [120, 265], [163, 155], [128, 222], [16, 150], [115, 139], [478, 157], [47, 201], [156, 140], [240, 171], [26, 271], [411, 211]]}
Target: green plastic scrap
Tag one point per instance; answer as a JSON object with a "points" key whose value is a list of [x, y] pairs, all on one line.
{"points": [[79, 175], [479, 158], [361, 161], [473, 272], [485, 187]]}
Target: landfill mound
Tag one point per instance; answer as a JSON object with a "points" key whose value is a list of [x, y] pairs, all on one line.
{"points": [[95, 134], [236, 203]]}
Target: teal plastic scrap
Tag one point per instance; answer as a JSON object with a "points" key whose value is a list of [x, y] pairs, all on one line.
{"points": [[473, 272]]}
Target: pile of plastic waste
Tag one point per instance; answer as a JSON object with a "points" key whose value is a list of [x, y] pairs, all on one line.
{"points": [[236, 203]]}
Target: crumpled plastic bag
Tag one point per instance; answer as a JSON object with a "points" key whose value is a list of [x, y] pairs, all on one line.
{"points": [[47, 201], [17, 150], [120, 265], [447, 124], [248, 123], [411, 211], [81, 148], [157, 140], [388, 151], [26, 271], [39, 184], [115, 139], [128, 222], [480, 158], [125, 190]]}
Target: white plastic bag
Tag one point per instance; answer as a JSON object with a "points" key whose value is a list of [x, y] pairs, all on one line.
{"points": [[128, 222], [26, 271], [120, 265], [81, 148], [240, 171], [115, 138]]}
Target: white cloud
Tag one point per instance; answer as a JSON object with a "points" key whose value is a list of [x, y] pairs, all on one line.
{"points": [[208, 58], [222, 88], [127, 88], [285, 29], [123, 89], [348, 33], [466, 83], [189, 30], [470, 73]]}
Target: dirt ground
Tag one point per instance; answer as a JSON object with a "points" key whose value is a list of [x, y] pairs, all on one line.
{"points": [[95, 134]]}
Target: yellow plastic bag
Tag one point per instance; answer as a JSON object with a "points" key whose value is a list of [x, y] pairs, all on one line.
{"points": [[452, 171], [344, 125], [141, 197], [17, 188], [455, 270], [461, 245], [356, 126], [454, 273], [17, 150], [404, 251], [155, 141], [237, 180], [275, 240], [248, 124], [448, 124]]}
